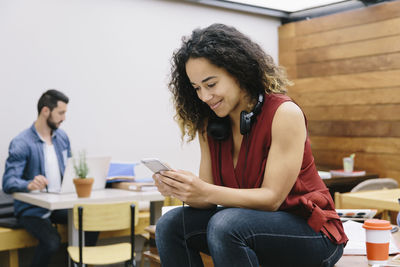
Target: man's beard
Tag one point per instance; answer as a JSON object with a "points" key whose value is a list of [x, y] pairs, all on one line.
{"points": [[53, 126]]}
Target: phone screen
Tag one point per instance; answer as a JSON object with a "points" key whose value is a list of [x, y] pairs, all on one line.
{"points": [[155, 165]]}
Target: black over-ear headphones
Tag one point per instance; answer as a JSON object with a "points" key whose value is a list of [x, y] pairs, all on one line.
{"points": [[219, 128]]}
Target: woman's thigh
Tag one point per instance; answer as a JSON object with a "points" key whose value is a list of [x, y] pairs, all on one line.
{"points": [[277, 238], [188, 224]]}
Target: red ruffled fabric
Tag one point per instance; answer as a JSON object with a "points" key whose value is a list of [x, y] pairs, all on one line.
{"points": [[309, 196]]}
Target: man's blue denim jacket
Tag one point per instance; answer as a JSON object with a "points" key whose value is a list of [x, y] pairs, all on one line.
{"points": [[26, 160]]}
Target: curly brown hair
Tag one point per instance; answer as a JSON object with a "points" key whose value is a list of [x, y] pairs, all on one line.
{"points": [[227, 48]]}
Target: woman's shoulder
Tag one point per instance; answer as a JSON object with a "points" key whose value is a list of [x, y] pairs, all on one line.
{"points": [[280, 107], [289, 110], [272, 102]]}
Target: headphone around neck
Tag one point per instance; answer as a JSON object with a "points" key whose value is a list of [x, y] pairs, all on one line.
{"points": [[219, 128]]}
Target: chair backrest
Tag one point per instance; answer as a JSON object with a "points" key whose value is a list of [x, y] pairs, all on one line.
{"points": [[106, 216], [376, 184], [171, 201]]}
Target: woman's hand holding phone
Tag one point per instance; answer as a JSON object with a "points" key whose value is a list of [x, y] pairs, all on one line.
{"points": [[186, 187], [183, 185], [163, 188], [156, 166]]}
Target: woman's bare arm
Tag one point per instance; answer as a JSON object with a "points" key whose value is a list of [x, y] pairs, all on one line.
{"points": [[281, 171]]}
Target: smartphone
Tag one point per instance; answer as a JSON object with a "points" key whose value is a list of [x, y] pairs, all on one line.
{"points": [[155, 165]]}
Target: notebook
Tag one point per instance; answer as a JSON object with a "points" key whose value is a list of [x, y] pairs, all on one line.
{"points": [[98, 169]]}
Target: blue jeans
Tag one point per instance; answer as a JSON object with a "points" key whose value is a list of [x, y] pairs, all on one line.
{"points": [[47, 234], [241, 237]]}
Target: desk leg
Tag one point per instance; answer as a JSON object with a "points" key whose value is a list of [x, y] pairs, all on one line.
{"points": [[155, 211]]}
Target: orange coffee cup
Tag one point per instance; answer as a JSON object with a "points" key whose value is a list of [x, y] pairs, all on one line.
{"points": [[377, 233]]}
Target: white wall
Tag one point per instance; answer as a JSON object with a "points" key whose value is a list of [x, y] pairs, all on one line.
{"points": [[111, 57]]}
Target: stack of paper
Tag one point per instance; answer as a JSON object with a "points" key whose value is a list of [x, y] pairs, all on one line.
{"points": [[342, 173], [324, 175], [356, 244], [136, 186]]}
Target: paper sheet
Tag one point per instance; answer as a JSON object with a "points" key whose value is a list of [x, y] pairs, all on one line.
{"points": [[356, 244], [324, 175]]}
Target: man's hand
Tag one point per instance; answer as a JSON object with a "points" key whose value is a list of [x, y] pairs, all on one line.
{"points": [[38, 183]]}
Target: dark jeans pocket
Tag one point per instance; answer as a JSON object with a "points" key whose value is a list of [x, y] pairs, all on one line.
{"points": [[334, 257]]}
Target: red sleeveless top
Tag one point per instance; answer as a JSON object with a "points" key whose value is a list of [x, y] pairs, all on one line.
{"points": [[309, 197]]}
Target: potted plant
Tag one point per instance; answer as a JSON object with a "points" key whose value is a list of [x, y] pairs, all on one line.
{"points": [[83, 185]]}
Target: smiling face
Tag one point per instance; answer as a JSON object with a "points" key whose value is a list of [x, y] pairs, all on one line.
{"points": [[216, 87]]}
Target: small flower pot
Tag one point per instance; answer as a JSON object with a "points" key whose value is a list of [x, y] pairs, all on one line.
{"points": [[83, 186]]}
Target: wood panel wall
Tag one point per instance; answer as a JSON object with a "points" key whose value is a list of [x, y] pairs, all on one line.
{"points": [[346, 70]]}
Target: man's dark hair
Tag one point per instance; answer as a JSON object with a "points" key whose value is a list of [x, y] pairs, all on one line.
{"points": [[50, 98]]}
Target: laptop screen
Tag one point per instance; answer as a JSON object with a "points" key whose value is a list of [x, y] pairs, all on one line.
{"points": [[98, 169]]}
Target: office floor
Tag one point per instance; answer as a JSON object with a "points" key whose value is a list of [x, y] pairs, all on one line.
{"points": [[61, 258]]}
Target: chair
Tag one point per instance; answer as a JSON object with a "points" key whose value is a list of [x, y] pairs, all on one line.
{"points": [[105, 217], [376, 184], [171, 201]]}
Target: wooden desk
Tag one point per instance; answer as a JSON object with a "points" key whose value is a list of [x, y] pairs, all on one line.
{"points": [[386, 199], [343, 184]]}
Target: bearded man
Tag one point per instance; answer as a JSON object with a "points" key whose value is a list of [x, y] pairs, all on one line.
{"points": [[36, 161]]}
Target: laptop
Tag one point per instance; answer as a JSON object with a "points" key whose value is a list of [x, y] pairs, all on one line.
{"points": [[98, 169]]}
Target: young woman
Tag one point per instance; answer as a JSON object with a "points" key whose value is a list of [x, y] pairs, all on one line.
{"points": [[258, 199]]}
